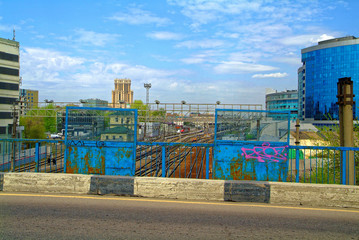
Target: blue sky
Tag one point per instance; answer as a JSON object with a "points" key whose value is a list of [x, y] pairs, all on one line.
{"points": [[194, 50]]}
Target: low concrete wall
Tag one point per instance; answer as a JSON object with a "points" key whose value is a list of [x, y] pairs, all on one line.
{"points": [[320, 195], [179, 188]]}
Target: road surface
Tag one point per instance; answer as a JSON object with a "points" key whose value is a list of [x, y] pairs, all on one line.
{"points": [[47, 216]]}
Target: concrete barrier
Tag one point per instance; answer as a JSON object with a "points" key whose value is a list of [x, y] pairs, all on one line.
{"points": [[319, 195]]}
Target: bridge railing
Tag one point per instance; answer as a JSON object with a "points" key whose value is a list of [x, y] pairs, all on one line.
{"points": [[324, 165], [31, 155], [174, 160], [306, 164]]}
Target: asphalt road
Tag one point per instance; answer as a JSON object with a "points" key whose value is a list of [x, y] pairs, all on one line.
{"points": [[31, 216]]}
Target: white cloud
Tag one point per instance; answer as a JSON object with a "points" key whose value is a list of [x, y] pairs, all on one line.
{"points": [[201, 44], [136, 16], [193, 60], [228, 35], [85, 37], [305, 40], [241, 67], [203, 56], [203, 12], [270, 75], [324, 37], [37, 58], [62, 77], [93, 38], [165, 36], [295, 61]]}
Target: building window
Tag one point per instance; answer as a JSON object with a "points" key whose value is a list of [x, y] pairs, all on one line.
{"points": [[113, 137], [9, 86], [9, 71], [9, 57]]}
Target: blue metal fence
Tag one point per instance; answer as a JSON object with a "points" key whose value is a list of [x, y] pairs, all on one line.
{"points": [[177, 160], [30, 155], [326, 165], [306, 164]]}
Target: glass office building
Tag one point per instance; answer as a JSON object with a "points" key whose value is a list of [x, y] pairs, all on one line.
{"points": [[282, 101], [323, 65]]}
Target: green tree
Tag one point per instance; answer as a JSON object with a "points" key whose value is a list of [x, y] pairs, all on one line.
{"points": [[141, 107], [33, 127], [50, 119]]}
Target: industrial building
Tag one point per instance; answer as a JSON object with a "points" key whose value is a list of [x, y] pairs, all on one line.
{"points": [[9, 84], [323, 65], [94, 102]]}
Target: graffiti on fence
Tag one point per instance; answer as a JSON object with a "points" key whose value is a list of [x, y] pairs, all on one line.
{"points": [[76, 143], [265, 153]]}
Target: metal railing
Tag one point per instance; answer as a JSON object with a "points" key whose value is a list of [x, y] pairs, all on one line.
{"points": [[325, 165], [176, 160], [31, 155], [306, 164]]}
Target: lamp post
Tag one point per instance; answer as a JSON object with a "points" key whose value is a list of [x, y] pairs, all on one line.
{"points": [[147, 86]]}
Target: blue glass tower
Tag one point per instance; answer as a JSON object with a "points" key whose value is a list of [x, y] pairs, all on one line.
{"points": [[323, 65]]}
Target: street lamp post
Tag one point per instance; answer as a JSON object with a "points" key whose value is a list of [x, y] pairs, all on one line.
{"points": [[147, 86]]}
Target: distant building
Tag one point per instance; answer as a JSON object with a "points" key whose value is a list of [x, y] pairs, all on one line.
{"points": [[122, 127], [282, 101], [94, 102], [122, 95], [28, 98], [9, 84], [323, 65]]}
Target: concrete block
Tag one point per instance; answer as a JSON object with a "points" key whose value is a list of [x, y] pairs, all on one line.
{"points": [[46, 182], [1, 181], [180, 188], [319, 195], [247, 191], [112, 185]]}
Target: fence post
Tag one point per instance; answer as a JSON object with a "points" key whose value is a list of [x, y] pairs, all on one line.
{"points": [[163, 161], [13, 155], [344, 166], [297, 157], [207, 162], [37, 156]]}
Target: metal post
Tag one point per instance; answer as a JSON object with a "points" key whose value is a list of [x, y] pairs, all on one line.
{"points": [[37, 157], [297, 156], [163, 161], [258, 128], [207, 163], [147, 86], [345, 101], [297, 126]]}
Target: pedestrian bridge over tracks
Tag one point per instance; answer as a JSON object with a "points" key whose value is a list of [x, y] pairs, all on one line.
{"points": [[245, 145]]}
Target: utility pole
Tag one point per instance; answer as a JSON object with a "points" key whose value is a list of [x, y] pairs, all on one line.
{"points": [[13, 135], [147, 86], [345, 101]]}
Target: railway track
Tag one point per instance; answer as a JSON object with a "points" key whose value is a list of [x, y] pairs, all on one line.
{"points": [[181, 161]]}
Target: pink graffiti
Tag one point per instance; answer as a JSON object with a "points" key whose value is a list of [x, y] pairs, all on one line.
{"points": [[266, 152]]}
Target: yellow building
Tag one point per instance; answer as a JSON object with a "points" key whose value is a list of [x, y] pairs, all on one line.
{"points": [[121, 127], [29, 98], [9, 83], [122, 95]]}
